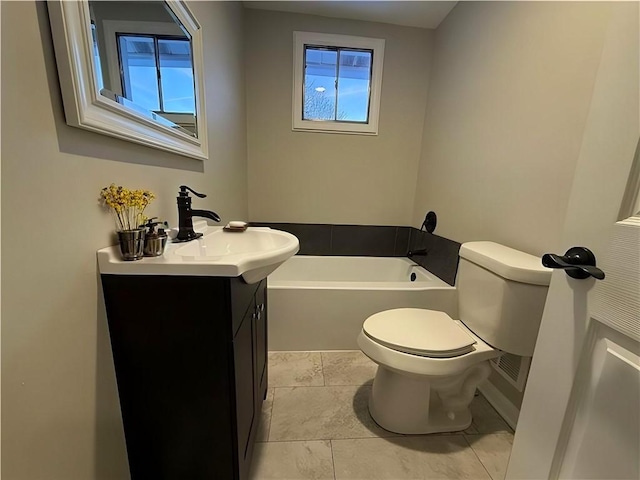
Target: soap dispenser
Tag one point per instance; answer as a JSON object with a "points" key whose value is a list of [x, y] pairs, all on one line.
{"points": [[155, 239]]}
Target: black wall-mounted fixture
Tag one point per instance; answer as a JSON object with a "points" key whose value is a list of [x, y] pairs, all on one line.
{"points": [[430, 222], [577, 262], [429, 225]]}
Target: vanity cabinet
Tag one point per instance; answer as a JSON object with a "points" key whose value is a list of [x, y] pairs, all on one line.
{"points": [[190, 355]]}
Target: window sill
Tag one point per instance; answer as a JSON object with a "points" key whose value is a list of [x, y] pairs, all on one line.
{"points": [[339, 132], [340, 128]]}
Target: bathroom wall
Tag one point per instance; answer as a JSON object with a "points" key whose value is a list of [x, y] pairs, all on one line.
{"points": [[302, 177], [60, 411], [508, 99]]}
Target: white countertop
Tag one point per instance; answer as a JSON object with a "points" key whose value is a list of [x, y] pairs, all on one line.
{"points": [[253, 254]]}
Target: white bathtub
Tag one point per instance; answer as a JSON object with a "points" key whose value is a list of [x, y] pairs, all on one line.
{"points": [[320, 303]]}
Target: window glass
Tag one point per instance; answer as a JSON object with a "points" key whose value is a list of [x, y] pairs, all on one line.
{"points": [[96, 57], [177, 76], [353, 85], [320, 84], [336, 84], [139, 75], [157, 73]]}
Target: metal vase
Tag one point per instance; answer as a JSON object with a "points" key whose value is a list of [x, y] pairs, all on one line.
{"points": [[132, 244], [154, 245]]}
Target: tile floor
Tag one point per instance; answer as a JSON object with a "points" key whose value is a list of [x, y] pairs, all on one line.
{"points": [[315, 425]]}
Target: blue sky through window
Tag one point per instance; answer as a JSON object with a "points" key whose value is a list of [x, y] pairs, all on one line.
{"points": [[337, 83], [140, 73]]}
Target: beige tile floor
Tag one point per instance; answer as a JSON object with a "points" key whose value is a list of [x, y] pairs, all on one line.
{"points": [[315, 425]]}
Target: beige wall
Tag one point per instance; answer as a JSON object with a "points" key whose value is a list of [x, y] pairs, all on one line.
{"points": [[332, 178], [509, 95], [565, 352], [508, 99], [60, 412]]}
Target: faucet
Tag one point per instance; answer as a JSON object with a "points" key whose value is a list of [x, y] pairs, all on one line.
{"points": [[422, 251], [185, 215]]}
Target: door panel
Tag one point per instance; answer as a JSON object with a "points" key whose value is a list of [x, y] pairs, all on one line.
{"points": [[599, 438]]}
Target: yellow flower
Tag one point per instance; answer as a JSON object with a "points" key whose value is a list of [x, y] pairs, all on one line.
{"points": [[126, 205]]}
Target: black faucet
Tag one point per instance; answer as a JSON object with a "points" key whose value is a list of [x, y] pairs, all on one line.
{"points": [[422, 251], [185, 215]]}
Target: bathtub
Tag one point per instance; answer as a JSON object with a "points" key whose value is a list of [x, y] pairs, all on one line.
{"points": [[320, 303]]}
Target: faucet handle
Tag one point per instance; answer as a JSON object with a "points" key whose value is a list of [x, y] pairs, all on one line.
{"points": [[183, 192]]}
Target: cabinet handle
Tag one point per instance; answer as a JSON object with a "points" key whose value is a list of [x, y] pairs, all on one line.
{"points": [[261, 306]]}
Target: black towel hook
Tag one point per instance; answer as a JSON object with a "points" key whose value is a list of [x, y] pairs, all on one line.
{"points": [[577, 262]]}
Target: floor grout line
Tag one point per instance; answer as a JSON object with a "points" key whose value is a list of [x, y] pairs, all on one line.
{"points": [[478, 457], [333, 460], [321, 386], [324, 380], [393, 436], [273, 399]]}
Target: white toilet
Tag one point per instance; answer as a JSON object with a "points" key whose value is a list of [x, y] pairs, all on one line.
{"points": [[429, 365]]}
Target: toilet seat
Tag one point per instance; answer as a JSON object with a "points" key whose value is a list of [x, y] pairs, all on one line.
{"points": [[426, 333], [411, 364]]}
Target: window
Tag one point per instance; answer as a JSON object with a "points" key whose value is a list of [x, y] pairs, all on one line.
{"points": [[337, 82], [156, 72], [96, 56]]}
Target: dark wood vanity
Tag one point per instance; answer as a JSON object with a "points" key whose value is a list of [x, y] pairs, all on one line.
{"points": [[190, 355]]}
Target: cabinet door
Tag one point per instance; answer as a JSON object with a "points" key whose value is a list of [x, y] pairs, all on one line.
{"points": [[261, 343], [242, 297], [243, 353]]}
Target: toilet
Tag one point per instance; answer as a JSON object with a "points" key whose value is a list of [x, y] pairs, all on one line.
{"points": [[429, 365]]}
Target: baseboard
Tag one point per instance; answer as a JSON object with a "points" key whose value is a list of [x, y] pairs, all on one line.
{"points": [[503, 406]]}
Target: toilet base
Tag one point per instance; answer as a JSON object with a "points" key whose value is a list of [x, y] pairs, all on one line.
{"points": [[418, 404]]}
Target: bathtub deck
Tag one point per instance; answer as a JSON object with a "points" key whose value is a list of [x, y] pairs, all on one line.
{"points": [[315, 425]]}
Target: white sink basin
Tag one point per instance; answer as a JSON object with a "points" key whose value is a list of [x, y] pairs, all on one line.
{"points": [[220, 243], [254, 254]]}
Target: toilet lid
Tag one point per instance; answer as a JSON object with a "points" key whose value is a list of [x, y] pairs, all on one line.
{"points": [[428, 333]]}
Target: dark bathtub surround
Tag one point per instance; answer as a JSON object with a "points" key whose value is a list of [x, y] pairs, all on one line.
{"points": [[347, 240], [375, 241], [364, 240], [441, 256]]}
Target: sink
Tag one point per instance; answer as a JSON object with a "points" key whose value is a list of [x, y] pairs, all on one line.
{"points": [[254, 254], [259, 250], [221, 243]]}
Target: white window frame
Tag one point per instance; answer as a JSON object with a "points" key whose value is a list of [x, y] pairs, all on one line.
{"points": [[300, 39]]}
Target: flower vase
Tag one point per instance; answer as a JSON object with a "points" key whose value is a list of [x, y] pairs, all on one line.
{"points": [[132, 243]]}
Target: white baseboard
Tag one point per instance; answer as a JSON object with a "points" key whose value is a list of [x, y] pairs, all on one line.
{"points": [[503, 406]]}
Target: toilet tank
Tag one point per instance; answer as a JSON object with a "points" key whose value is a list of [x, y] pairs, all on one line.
{"points": [[501, 295]]}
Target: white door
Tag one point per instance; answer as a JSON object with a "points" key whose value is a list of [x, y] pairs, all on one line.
{"points": [[580, 417]]}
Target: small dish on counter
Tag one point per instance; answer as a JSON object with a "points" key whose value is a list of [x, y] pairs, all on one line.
{"points": [[235, 226]]}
